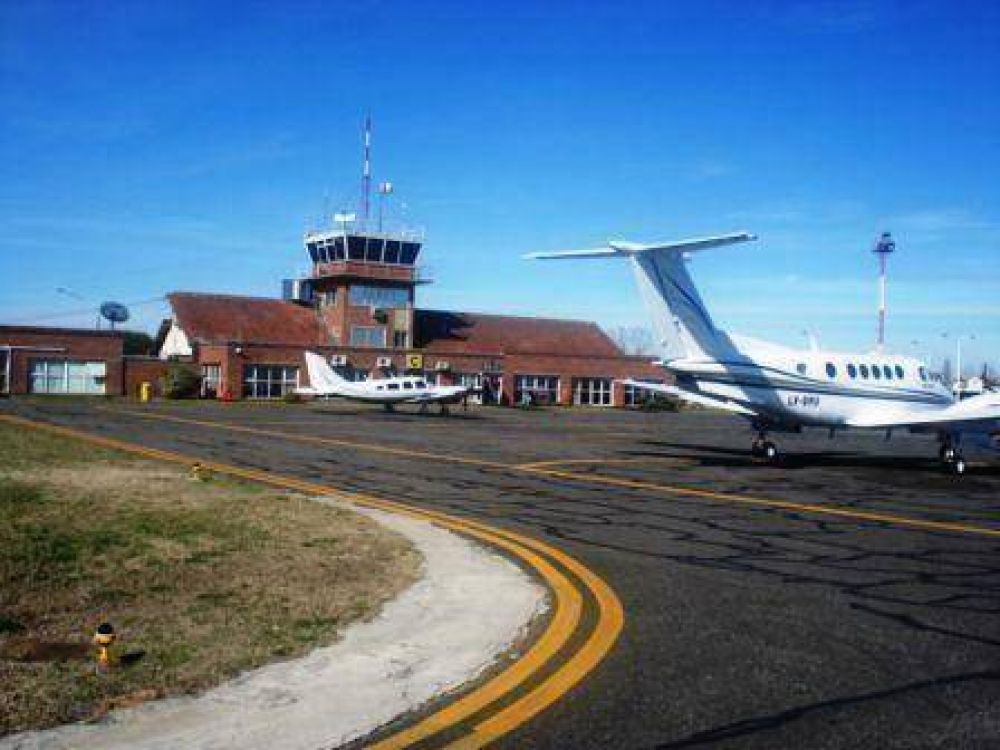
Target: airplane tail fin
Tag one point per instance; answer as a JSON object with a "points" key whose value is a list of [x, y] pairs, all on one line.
{"points": [[322, 378], [680, 320]]}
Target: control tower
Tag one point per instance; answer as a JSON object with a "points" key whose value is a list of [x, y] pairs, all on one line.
{"points": [[363, 278], [363, 284]]}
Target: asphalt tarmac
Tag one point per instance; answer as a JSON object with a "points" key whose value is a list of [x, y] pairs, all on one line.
{"points": [[846, 598]]}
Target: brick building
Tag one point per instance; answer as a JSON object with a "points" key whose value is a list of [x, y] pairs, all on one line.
{"points": [[63, 361], [358, 309]]}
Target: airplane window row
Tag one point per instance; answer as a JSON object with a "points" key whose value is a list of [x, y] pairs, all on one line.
{"points": [[407, 386], [876, 372]]}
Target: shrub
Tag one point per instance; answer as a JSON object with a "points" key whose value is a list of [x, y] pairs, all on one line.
{"points": [[181, 382]]}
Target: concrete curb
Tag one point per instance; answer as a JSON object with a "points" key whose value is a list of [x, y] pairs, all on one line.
{"points": [[470, 606]]}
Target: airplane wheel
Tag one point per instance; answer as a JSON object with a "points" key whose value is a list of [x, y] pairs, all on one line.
{"points": [[769, 451], [957, 466]]}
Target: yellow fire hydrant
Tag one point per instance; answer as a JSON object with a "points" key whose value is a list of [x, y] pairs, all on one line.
{"points": [[103, 639]]}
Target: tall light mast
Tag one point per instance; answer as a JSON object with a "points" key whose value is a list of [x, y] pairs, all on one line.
{"points": [[883, 246]]}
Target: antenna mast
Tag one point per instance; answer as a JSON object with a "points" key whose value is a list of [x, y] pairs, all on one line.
{"points": [[366, 175], [884, 245]]}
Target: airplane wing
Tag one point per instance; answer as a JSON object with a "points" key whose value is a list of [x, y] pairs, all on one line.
{"points": [[976, 414], [694, 398]]}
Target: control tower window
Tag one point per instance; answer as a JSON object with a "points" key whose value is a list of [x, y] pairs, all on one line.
{"points": [[408, 256], [378, 296], [355, 248], [368, 336], [392, 251], [374, 252]]}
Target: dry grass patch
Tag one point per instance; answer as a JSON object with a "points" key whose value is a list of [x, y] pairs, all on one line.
{"points": [[208, 578]]}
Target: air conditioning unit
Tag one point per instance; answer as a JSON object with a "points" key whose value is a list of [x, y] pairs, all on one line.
{"points": [[338, 360], [383, 362], [442, 366]]}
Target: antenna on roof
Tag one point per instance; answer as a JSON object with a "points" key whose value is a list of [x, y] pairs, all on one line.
{"points": [[366, 174]]}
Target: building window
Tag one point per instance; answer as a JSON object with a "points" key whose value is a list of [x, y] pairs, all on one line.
{"points": [[801, 368], [876, 372], [922, 371], [887, 371], [831, 370], [542, 389], [864, 371], [399, 339], [368, 336], [900, 373], [852, 371], [592, 391], [62, 377], [211, 379], [378, 296], [269, 381], [636, 396]]}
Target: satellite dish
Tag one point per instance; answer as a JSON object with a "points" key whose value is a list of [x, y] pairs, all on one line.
{"points": [[114, 312]]}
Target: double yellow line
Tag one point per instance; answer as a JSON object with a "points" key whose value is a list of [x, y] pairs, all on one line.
{"points": [[573, 586]]}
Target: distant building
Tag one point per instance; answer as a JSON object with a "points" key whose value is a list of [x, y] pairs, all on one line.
{"points": [[358, 308]]}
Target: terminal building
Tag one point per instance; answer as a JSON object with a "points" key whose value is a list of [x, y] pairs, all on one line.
{"points": [[358, 308]]}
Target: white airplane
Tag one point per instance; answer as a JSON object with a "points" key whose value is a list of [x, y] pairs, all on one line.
{"points": [[781, 389], [326, 383]]}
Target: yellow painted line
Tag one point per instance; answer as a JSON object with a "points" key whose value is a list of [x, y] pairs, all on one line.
{"points": [[733, 497], [565, 621], [535, 469]]}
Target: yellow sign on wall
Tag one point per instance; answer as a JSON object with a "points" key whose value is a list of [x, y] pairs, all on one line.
{"points": [[414, 361]]}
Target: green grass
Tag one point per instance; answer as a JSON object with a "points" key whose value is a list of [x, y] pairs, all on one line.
{"points": [[207, 578]]}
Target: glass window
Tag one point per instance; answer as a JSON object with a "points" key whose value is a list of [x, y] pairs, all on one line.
{"points": [[313, 251], [876, 372], [211, 377], [887, 371], [355, 248], [864, 371], [801, 368], [378, 296], [59, 376], [368, 336], [923, 373], [408, 255], [636, 396], [421, 384], [391, 251], [269, 381], [541, 388], [900, 373], [374, 251], [592, 391], [407, 385], [393, 386], [852, 371], [831, 370]]}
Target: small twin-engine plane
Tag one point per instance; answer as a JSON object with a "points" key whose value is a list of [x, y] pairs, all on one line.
{"points": [[781, 389], [326, 383]]}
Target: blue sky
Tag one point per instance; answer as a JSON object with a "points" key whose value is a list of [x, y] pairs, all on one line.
{"points": [[148, 147]]}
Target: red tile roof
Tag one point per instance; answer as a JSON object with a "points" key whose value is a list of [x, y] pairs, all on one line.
{"points": [[465, 333], [218, 318]]}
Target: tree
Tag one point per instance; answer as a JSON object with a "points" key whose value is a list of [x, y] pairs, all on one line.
{"points": [[138, 342], [632, 340]]}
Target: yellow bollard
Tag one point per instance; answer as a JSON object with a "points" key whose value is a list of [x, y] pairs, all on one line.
{"points": [[103, 638], [145, 391]]}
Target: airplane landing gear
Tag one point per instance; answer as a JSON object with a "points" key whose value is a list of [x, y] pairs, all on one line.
{"points": [[951, 457], [764, 448]]}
